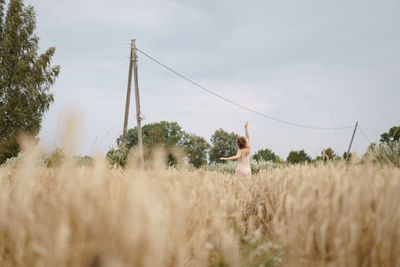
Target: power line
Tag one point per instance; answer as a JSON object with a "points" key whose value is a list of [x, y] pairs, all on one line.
{"points": [[85, 47], [237, 104], [363, 134], [76, 48], [90, 56], [89, 59], [103, 45]]}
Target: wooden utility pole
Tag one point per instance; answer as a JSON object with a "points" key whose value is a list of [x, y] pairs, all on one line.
{"points": [[133, 64], [395, 132], [128, 95], [138, 114], [352, 137]]}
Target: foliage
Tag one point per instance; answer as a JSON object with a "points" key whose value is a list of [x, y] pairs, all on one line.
{"points": [[84, 161], [163, 132], [196, 148], [261, 165], [172, 138], [385, 153], [328, 154], [14, 161], [168, 135], [118, 156], [25, 76], [392, 135], [230, 166], [54, 159], [296, 157], [265, 155], [223, 144]]}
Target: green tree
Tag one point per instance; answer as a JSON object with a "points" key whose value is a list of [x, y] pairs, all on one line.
{"points": [[163, 132], [392, 135], [223, 145], [196, 148], [25, 76], [166, 134], [265, 155], [328, 154], [295, 157]]}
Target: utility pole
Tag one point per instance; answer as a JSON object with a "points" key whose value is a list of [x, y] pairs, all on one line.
{"points": [[133, 63], [352, 137], [128, 95], [138, 114], [395, 132]]}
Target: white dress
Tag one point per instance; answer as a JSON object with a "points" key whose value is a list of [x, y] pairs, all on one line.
{"points": [[243, 166]]}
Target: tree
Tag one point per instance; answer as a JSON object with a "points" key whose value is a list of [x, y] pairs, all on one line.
{"points": [[169, 135], [328, 154], [196, 148], [163, 132], [25, 77], [265, 155], [392, 135], [223, 145], [295, 157]]}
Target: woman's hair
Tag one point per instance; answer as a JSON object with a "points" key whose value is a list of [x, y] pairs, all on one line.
{"points": [[241, 142]]}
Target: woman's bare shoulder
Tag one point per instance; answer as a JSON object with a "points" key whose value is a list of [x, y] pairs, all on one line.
{"points": [[245, 151]]}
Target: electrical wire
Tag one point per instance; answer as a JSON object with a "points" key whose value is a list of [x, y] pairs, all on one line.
{"points": [[81, 46], [237, 104], [89, 58], [363, 134], [86, 45]]}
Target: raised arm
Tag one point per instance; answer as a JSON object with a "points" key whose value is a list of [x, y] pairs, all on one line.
{"points": [[245, 128], [247, 134], [233, 157]]}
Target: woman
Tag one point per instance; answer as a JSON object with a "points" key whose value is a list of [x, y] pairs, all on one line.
{"points": [[243, 155]]}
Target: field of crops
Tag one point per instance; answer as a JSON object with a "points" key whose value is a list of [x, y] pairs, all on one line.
{"points": [[333, 214]]}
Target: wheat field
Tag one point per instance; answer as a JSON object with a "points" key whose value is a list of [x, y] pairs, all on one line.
{"points": [[325, 215]]}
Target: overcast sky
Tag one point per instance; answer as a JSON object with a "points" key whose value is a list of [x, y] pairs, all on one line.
{"points": [[321, 63]]}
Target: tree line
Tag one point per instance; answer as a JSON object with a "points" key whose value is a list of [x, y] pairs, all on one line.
{"points": [[199, 152]]}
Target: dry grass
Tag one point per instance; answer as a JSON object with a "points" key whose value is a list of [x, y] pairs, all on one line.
{"points": [[328, 215]]}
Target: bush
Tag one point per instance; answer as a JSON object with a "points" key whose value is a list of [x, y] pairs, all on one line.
{"points": [[385, 153], [54, 159], [230, 166], [118, 156], [12, 162], [49, 160], [83, 161], [257, 166]]}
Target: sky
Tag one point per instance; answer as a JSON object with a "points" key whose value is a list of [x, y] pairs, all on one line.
{"points": [[319, 63]]}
